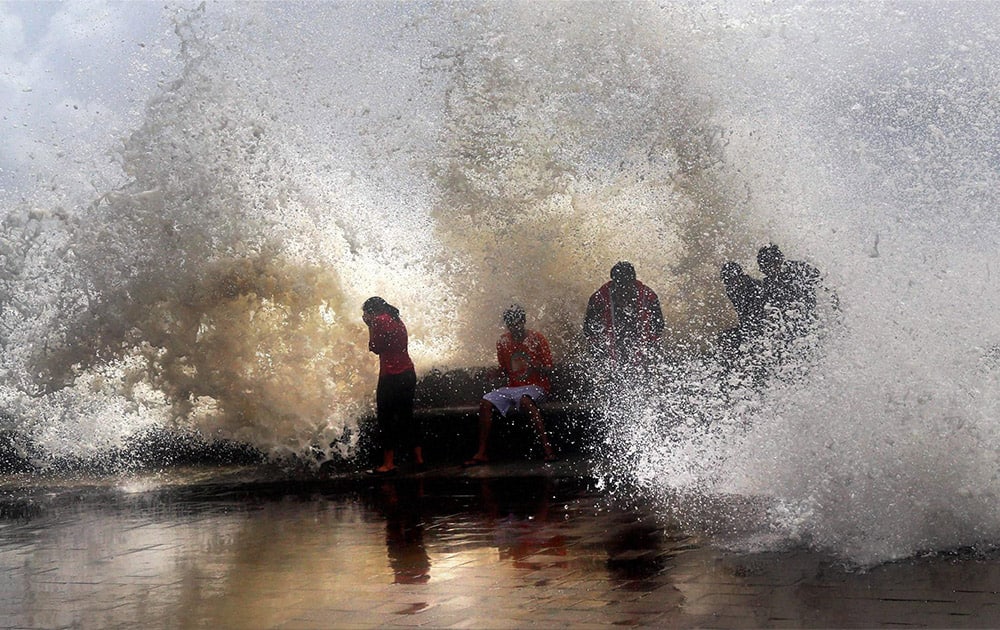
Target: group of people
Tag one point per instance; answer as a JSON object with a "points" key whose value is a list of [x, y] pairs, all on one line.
{"points": [[781, 307], [623, 327]]}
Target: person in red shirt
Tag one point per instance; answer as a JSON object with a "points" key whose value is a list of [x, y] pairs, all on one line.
{"points": [[624, 321], [526, 361], [397, 382]]}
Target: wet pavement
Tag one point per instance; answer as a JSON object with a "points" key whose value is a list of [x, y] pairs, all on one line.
{"points": [[503, 546]]}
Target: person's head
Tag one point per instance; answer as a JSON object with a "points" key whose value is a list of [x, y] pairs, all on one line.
{"points": [[376, 306], [730, 272], [514, 319], [769, 259], [623, 274]]}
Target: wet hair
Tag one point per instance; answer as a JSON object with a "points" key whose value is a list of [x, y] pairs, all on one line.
{"points": [[769, 254], [623, 272], [377, 305], [514, 314]]}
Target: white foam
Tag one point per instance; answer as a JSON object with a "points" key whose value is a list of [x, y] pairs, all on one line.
{"points": [[453, 159]]}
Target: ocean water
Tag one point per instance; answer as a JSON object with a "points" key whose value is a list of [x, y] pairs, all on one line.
{"points": [[197, 199]]}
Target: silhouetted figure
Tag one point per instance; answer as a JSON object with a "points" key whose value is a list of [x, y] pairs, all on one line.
{"points": [[624, 321], [788, 291], [526, 361], [746, 294], [397, 382]]}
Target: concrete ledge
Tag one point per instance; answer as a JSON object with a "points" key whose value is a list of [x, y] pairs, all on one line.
{"points": [[451, 433], [447, 408]]}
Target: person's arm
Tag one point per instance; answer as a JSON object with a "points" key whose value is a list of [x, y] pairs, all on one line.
{"points": [[656, 316], [544, 362], [813, 273], [503, 361], [592, 321], [378, 336]]}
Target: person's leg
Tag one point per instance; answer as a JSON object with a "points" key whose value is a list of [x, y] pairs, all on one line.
{"points": [[387, 403], [485, 424], [409, 425], [388, 461], [536, 417], [500, 400]]}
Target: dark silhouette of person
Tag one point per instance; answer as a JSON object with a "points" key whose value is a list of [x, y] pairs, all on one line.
{"points": [[526, 361], [397, 382], [624, 320], [747, 297], [788, 291]]}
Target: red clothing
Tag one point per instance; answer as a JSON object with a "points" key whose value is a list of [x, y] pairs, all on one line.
{"points": [[387, 338], [630, 339], [520, 360]]}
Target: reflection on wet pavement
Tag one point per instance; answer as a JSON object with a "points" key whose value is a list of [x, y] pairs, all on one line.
{"points": [[446, 552]]}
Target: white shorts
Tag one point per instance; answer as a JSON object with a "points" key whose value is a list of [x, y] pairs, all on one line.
{"points": [[507, 397]]}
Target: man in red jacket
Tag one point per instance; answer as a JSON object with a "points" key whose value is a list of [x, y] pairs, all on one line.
{"points": [[526, 361], [624, 321]]}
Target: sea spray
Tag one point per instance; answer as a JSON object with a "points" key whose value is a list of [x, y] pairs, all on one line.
{"points": [[455, 158], [205, 293], [259, 203], [884, 449], [553, 170]]}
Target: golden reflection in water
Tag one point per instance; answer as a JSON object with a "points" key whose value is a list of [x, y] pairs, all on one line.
{"points": [[508, 553], [400, 548]]}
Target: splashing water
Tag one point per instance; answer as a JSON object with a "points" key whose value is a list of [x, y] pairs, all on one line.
{"points": [[293, 160]]}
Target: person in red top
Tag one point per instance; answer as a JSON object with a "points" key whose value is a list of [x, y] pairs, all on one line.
{"points": [[397, 382], [526, 361], [624, 320]]}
